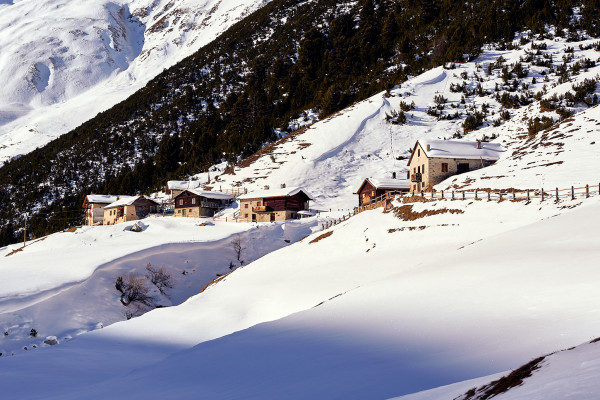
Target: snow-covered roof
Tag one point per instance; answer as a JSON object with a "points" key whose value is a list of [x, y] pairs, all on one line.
{"points": [[182, 185], [388, 183], [211, 195], [126, 201], [283, 192], [101, 198], [461, 149]]}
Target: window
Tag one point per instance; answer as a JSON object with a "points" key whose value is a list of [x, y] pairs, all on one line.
{"points": [[246, 206], [372, 193], [444, 167], [181, 202], [418, 152], [246, 215], [193, 200]]}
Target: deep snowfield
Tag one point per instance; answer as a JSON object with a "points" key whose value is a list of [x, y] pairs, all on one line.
{"points": [[64, 61], [364, 313]]}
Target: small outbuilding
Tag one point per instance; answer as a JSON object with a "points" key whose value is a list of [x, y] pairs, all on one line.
{"points": [[432, 161], [274, 205], [376, 187], [174, 188], [94, 205], [129, 208], [197, 203]]}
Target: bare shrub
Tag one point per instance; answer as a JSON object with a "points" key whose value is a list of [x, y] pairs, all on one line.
{"points": [[238, 248], [159, 278], [133, 290]]}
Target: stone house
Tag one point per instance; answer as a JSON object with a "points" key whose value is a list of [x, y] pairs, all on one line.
{"points": [[200, 203], [94, 204], [129, 208], [274, 205], [375, 187], [432, 161]]}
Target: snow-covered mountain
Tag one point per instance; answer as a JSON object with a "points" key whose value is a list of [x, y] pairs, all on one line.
{"points": [[64, 61], [384, 304]]}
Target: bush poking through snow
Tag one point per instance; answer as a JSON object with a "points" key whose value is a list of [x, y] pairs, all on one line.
{"points": [[238, 248], [159, 278], [33, 333], [133, 290]]}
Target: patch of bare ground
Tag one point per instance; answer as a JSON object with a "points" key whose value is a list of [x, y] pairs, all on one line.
{"points": [[504, 384], [321, 237], [21, 248], [414, 228], [267, 151], [406, 212]]}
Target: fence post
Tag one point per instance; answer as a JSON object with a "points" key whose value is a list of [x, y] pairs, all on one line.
{"points": [[475, 194], [463, 194], [572, 193], [542, 194], [527, 194], [442, 195], [500, 197], [422, 194], [489, 195], [556, 194], [453, 195], [587, 190], [514, 196]]}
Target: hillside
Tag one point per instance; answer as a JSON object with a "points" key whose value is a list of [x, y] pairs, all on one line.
{"points": [[65, 61], [266, 76], [397, 304]]}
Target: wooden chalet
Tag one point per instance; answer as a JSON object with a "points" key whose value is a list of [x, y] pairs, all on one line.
{"points": [[129, 208], [372, 188], [274, 205], [432, 161], [200, 203], [94, 205]]}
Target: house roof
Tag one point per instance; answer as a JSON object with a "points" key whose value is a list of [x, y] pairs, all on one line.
{"points": [[182, 185], [210, 195], [459, 149], [284, 192], [127, 201], [386, 183], [101, 198]]}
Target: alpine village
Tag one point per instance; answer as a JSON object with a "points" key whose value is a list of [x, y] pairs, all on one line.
{"points": [[300, 199]]}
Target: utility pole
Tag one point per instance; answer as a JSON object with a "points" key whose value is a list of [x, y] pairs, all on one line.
{"points": [[24, 230]]}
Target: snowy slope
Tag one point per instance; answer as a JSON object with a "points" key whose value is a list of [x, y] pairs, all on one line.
{"points": [[364, 313], [64, 284], [64, 61]]}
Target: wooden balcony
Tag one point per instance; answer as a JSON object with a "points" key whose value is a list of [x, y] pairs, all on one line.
{"points": [[416, 177], [260, 209]]}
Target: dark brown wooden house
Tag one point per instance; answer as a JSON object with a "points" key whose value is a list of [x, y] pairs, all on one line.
{"points": [[274, 205], [200, 203]]}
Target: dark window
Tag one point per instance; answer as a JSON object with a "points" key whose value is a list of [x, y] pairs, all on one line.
{"points": [[462, 167], [444, 167]]}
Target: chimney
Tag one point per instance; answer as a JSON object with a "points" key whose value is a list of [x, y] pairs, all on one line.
{"points": [[478, 144], [266, 187], [428, 147], [282, 186], [393, 175]]}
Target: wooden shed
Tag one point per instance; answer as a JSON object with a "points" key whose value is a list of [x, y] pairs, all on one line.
{"points": [[372, 188]]}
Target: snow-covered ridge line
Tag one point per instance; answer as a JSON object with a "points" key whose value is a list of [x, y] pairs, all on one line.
{"points": [[65, 61]]}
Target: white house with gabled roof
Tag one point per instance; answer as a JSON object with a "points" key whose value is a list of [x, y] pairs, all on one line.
{"points": [[432, 161]]}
